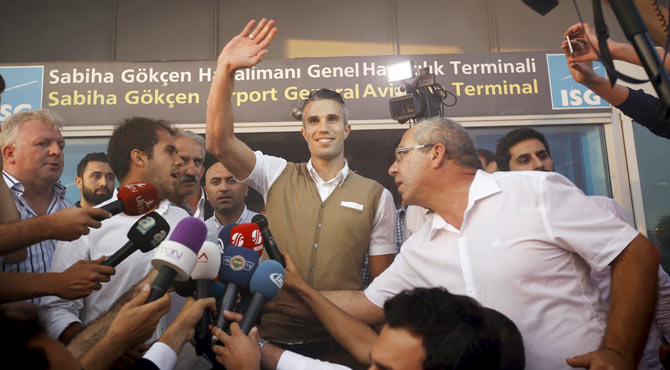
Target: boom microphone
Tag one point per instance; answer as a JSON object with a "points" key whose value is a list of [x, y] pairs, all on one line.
{"points": [[177, 257], [237, 266], [265, 284], [268, 240], [146, 234], [134, 199]]}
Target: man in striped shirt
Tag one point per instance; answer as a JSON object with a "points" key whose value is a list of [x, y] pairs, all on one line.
{"points": [[32, 149]]}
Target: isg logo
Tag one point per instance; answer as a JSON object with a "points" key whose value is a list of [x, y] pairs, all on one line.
{"points": [[23, 89], [566, 93]]}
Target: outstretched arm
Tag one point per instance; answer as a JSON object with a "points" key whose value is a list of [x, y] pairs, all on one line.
{"points": [[243, 51]]}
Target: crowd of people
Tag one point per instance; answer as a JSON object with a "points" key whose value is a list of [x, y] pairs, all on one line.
{"points": [[493, 261]]}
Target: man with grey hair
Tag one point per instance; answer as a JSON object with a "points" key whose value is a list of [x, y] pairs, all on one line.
{"points": [[520, 243], [32, 150], [189, 194]]}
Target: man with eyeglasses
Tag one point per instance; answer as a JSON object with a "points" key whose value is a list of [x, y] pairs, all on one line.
{"points": [[324, 215], [521, 243]]}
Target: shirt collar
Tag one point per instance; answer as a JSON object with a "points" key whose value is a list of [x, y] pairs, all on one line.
{"points": [[14, 184], [483, 185], [339, 178], [242, 215]]}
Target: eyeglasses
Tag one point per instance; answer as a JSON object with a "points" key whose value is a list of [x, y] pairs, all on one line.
{"points": [[399, 151]]}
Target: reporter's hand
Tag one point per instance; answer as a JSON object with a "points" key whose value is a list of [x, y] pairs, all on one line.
{"points": [[604, 359], [293, 280], [82, 278], [240, 351], [182, 328], [71, 223], [244, 52], [136, 321]]}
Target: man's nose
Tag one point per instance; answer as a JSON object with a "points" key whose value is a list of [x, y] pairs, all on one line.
{"points": [[393, 170]]}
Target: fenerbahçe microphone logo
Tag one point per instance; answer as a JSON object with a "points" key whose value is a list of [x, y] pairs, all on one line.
{"points": [[237, 239], [278, 279], [238, 263]]}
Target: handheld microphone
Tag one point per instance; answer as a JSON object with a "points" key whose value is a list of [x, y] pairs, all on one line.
{"points": [[206, 270], [265, 284], [237, 266], [146, 234], [223, 238], [176, 257], [248, 236], [268, 240], [134, 199]]}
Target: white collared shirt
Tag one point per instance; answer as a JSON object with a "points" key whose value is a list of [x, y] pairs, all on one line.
{"points": [[199, 211], [214, 226], [294, 361], [524, 249], [382, 239], [39, 254], [57, 313]]}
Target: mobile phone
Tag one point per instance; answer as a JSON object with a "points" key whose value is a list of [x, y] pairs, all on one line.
{"points": [[572, 52]]}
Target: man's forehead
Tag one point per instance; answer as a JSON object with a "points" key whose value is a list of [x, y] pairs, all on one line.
{"points": [[218, 170], [407, 138], [38, 129], [323, 106], [527, 146], [98, 166]]}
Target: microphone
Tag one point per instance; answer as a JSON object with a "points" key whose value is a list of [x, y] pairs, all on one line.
{"points": [[134, 199], [248, 236], [265, 284], [176, 257], [206, 270], [224, 236], [146, 234], [237, 266], [268, 240]]}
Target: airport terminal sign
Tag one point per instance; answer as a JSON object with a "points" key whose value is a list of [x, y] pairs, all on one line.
{"points": [[478, 84]]}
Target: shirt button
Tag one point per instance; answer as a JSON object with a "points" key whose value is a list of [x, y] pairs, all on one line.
{"points": [[311, 269], [318, 225], [316, 246], [323, 205]]}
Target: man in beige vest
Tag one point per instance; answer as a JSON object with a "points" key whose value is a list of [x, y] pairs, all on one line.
{"points": [[324, 215]]}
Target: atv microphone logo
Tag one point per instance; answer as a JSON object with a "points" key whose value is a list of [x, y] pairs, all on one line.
{"points": [[23, 89]]}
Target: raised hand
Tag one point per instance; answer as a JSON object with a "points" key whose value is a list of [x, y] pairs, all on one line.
{"points": [[248, 48]]}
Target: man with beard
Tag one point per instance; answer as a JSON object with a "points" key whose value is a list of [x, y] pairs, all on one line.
{"points": [[189, 194], [140, 150], [95, 180], [226, 195]]}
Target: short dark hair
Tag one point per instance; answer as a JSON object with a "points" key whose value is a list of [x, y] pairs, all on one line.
{"points": [[14, 348], [487, 154], [134, 133], [453, 328], [2, 84], [326, 94], [512, 355], [90, 157], [512, 138]]}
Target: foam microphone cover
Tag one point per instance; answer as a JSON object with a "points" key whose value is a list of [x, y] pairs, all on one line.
{"points": [[138, 198], [238, 265], [209, 262], [179, 252], [268, 240], [224, 236], [248, 236], [265, 284]]}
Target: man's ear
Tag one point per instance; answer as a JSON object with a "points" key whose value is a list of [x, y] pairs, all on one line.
{"points": [[438, 155], [302, 131], [138, 158], [8, 153], [78, 181], [347, 130]]}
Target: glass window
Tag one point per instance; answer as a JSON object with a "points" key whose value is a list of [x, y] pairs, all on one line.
{"points": [[652, 160], [578, 152], [76, 148]]}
